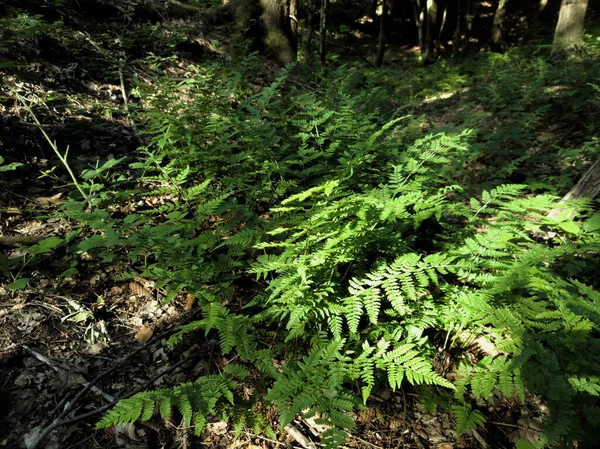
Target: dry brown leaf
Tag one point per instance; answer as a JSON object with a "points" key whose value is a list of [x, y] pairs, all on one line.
{"points": [[144, 334], [49, 200], [189, 302], [139, 290]]}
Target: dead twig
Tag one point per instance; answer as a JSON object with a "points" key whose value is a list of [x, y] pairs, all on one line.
{"points": [[68, 406], [356, 52], [126, 106], [482, 443], [299, 437], [60, 423], [270, 440], [14, 241], [42, 358]]}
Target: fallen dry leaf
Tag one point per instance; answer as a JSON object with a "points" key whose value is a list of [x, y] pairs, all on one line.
{"points": [[144, 334], [49, 200]]}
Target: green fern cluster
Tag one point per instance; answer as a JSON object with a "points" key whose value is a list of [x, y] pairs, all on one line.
{"points": [[365, 250], [195, 401]]}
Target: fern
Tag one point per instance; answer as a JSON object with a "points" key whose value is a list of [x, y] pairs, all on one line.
{"points": [[467, 418], [195, 401], [364, 246]]}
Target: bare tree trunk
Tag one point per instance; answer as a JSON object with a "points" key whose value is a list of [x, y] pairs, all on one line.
{"points": [[587, 187], [309, 32], [441, 30], [374, 4], [469, 19], [430, 26], [569, 29], [497, 38], [272, 27], [456, 39], [323, 33], [419, 9], [538, 8], [293, 21], [382, 31]]}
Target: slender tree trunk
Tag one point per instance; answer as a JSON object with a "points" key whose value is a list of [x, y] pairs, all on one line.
{"points": [[469, 19], [419, 10], [430, 27], [497, 38], [538, 9], [309, 32], [569, 29], [293, 21], [442, 26], [374, 4], [456, 40], [323, 33], [382, 32], [587, 187]]}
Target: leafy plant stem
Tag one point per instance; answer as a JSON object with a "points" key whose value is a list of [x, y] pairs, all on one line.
{"points": [[61, 157]]}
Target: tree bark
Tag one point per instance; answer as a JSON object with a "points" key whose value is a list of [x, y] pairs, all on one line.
{"points": [[456, 39], [441, 29], [569, 29], [419, 9], [278, 36], [374, 4], [430, 30], [382, 32], [270, 25], [538, 9], [323, 33], [587, 187], [293, 21], [497, 38], [309, 32]]}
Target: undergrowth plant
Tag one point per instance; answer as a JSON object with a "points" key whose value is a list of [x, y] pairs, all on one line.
{"points": [[365, 249]]}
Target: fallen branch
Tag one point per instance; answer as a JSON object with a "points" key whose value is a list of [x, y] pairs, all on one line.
{"points": [[12, 211], [68, 406], [299, 437], [14, 241], [60, 423], [42, 358], [356, 52]]}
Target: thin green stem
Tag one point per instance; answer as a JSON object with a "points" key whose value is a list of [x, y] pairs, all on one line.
{"points": [[62, 158]]}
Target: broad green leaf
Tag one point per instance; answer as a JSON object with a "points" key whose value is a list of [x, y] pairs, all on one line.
{"points": [[18, 284], [46, 245], [593, 224], [69, 273], [570, 227]]}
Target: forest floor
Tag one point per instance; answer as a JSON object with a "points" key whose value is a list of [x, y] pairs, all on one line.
{"points": [[70, 346]]}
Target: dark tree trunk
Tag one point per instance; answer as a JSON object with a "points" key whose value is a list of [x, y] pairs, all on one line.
{"points": [[309, 32], [442, 26], [323, 33], [458, 30], [430, 30], [538, 9], [497, 38], [293, 21], [382, 32], [419, 10], [569, 29], [374, 4], [271, 26], [279, 39]]}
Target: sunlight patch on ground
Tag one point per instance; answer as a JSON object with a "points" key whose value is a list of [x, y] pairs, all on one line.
{"points": [[443, 96]]}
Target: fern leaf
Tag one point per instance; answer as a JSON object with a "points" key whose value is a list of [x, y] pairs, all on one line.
{"points": [[467, 418]]}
